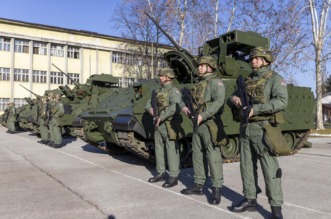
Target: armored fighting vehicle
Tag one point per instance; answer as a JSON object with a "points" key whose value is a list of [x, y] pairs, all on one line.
{"points": [[123, 125], [76, 100]]}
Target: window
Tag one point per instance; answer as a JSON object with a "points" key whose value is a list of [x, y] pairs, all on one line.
{"points": [[56, 78], [73, 52], [3, 103], [39, 48], [19, 102], [117, 57], [125, 82], [4, 44], [163, 64], [4, 74], [21, 74], [57, 50], [21, 46], [39, 76], [74, 77]]}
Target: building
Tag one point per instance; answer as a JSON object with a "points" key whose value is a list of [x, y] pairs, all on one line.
{"points": [[28, 50]]}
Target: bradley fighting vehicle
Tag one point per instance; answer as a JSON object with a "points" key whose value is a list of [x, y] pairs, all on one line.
{"points": [[122, 123], [81, 97]]}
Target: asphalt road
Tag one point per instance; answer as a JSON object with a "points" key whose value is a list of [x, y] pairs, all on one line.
{"points": [[80, 181]]}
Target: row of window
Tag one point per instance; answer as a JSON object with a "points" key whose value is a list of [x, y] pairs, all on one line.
{"points": [[17, 101], [133, 59], [37, 76], [39, 48]]}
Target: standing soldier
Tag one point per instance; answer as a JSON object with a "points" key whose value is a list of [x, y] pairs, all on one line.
{"points": [[268, 92], [44, 111], [166, 114], [57, 111], [208, 95], [11, 118]]}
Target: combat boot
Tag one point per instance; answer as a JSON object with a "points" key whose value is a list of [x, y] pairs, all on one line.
{"points": [[159, 177], [41, 142], [245, 205], [194, 190], [50, 144], [56, 145], [276, 212], [216, 196], [170, 182]]}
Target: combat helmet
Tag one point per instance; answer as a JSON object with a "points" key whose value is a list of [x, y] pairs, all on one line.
{"points": [[167, 72], [58, 96], [208, 60], [262, 52]]}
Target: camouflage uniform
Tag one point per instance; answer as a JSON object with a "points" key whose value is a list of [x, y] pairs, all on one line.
{"points": [[44, 121], [269, 98], [57, 111], [11, 118], [168, 131], [209, 94]]}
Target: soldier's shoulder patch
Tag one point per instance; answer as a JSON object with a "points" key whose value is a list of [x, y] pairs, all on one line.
{"points": [[219, 82], [283, 83]]}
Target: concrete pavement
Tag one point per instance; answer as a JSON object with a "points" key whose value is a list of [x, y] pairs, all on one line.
{"points": [[80, 181]]}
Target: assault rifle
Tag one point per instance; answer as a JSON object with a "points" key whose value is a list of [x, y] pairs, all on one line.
{"points": [[189, 101], [155, 108], [47, 113], [244, 98]]}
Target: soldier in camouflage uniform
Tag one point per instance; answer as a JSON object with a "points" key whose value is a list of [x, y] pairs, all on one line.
{"points": [[209, 96], [268, 91], [167, 129], [11, 118], [44, 112], [57, 111]]}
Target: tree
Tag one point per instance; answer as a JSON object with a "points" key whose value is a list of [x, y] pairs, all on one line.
{"points": [[319, 19]]}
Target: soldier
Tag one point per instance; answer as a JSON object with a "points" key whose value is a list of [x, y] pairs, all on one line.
{"points": [[209, 95], [268, 91], [44, 112], [11, 118], [57, 111], [167, 128]]}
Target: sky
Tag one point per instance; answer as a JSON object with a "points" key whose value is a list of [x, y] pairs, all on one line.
{"points": [[89, 15]]}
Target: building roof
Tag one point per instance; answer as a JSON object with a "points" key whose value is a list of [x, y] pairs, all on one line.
{"points": [[73, 31]]}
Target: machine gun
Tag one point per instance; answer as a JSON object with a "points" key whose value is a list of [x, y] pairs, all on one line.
{"points": [[244, 98], [72, 80], [38, 96], [189, 101], [155, 108]]}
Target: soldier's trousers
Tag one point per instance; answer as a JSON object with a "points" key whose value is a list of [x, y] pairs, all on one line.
{"points": [[204, 153], [55, 131], [11, 124], [252, 149], [166, 149], [43, 130]]}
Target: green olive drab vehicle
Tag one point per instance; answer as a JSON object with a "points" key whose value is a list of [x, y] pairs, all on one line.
{"points": [[119, 123], [75, 101]]}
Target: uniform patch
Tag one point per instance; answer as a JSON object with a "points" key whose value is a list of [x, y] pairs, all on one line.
{"points": [[177, 92], [220, 83], [283, 83]]}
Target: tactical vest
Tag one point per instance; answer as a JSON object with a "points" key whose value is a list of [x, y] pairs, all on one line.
{"points": [[198, 93], [162, 99], [255, 88]]}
